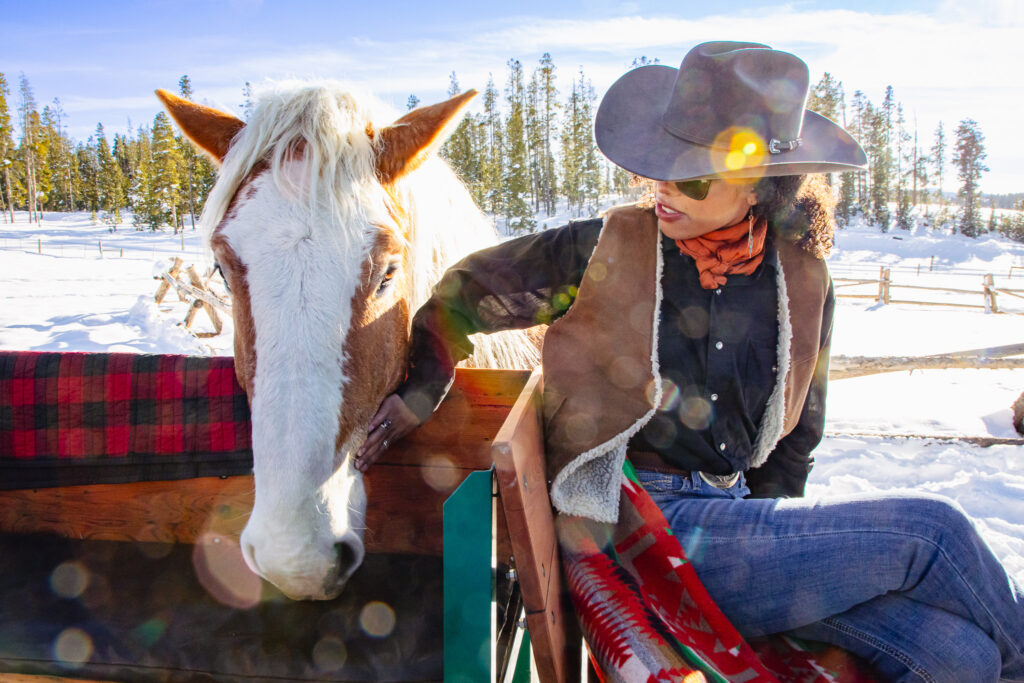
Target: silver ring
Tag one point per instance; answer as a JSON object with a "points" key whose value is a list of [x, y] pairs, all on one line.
{"points": [[386, 424], [384, 443]]}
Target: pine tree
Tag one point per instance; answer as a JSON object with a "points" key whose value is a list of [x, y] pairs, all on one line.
{"points": [[164, 181], [904, 171], [861, 116], [877, 149], [412, 103], [547, 112], [938, 155], [189, 158], [826, 97], [59, 158], [29, 119], [515, 179], [89, 175], [968, 157], [534, 139], [492, 162], [581, 173], [460, 149], [142, 201], [6, 149], [110, 181]]}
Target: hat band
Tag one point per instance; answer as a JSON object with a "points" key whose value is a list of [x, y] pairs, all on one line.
{"points": [[775, 146], [689, 137]]}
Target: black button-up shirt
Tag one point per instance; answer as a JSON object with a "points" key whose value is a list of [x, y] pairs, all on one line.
{"points": [[717, 348]]}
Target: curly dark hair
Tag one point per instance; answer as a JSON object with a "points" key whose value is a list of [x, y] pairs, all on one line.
{"points": [[800, 209]]}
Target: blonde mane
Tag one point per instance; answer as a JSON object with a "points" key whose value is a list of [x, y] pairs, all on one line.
{"points": [[328, 125]]}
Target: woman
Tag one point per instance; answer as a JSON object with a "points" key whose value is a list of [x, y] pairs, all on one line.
{"points": [[692, 337]]}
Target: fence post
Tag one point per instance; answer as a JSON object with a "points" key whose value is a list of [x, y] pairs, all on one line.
{"points": [[931, 263], [40, 245], [161, 291], [883, 284], [990, 293]]}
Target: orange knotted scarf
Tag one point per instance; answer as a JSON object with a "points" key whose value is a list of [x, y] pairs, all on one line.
{"points": [[726, 251]]}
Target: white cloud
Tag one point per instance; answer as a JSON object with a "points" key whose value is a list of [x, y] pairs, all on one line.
{"points": [[960, 60]]}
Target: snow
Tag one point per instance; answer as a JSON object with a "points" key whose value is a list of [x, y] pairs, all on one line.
{"points": [[70, 298]]}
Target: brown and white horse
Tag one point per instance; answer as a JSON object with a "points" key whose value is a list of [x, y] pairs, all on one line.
{"points": [[330, 228]]}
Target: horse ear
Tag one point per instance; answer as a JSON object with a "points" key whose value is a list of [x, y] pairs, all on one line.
{"points": [[407, 142], [210, 129]]}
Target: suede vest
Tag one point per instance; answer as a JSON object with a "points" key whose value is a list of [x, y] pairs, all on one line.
{"points": [[601, 375]]}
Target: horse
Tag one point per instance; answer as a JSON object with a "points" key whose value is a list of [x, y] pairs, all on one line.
{"points": [[330, 228]]}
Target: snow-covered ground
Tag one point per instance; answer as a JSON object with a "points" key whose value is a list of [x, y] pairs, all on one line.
{"points": [[72, 298]]}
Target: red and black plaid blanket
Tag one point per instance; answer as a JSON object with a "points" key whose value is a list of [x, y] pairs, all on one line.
{"points": [[91, 418]]}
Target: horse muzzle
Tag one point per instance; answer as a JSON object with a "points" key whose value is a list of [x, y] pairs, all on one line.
{"points": [[310, 574]]}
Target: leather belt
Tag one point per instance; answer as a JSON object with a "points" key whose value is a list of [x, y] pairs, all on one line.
{"points": [[648, 460]]}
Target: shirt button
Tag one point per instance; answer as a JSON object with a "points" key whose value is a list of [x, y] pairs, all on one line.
{"points": [[718, 291], [714, 397], [721, 446], [719, 345]]}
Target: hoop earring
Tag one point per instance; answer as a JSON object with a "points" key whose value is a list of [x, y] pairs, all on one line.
{"points": [[750, 232]]}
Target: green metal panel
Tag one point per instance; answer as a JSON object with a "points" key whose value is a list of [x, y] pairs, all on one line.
{"points": [[522, 673], [468, 581]]}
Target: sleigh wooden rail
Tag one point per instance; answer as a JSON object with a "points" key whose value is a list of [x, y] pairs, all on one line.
{"points": [[518, 453]]}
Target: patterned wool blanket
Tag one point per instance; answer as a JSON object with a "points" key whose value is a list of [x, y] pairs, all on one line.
{"points": [[646, 616], [91, 418]]}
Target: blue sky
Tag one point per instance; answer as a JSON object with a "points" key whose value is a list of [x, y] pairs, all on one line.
{"points": [[947, 60]]}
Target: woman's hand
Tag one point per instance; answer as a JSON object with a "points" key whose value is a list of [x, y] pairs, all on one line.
{"points": [[392, 421]]}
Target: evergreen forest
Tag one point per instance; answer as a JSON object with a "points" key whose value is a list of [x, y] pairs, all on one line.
{"points": [[529, 154]]}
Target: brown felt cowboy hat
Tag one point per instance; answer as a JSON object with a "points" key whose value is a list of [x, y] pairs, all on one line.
{"points": [[731, 109]]}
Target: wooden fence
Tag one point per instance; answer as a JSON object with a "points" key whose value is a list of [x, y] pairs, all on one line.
{"points": [[196, 292], [987, 292]]}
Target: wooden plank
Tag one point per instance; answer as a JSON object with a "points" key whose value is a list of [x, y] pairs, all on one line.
{"points": [[406, 489], [522, 485], [30, 678]]}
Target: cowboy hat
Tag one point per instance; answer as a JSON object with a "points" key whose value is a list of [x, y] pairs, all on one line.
{"points": [[731, 109]]}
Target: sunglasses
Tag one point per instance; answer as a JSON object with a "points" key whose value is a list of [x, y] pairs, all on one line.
{"points": [[694, 189]]}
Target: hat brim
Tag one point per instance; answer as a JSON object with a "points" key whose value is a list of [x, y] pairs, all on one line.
{"points": [[629, 132]]}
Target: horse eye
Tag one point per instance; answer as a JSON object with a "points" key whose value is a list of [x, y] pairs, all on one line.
{"points": [[389, 274]]}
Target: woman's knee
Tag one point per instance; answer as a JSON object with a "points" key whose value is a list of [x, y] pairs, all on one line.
{"points": [[931, 516]]}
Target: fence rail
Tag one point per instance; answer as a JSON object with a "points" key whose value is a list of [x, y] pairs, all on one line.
{"points": [[75, 248], [988, 292]]}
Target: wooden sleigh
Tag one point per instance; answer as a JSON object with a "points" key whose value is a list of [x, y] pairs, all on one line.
{"points": [[462, 579], [158, 560]]}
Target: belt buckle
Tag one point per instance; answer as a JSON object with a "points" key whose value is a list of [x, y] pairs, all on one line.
{"points": [[720, 481]]}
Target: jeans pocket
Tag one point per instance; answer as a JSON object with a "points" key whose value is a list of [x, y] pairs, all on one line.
{"points": [[656, 483]]}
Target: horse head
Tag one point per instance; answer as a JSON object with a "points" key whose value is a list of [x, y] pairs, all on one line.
{"points": [[321, 229]]}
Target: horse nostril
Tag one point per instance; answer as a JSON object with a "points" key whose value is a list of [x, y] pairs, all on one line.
{"points": [[347, 556], [249, 555]]}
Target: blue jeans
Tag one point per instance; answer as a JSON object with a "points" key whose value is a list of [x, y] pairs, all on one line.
{"points": [[905, 582]]}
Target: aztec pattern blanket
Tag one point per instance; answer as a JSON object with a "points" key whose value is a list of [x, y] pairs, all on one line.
{"points": [[646, 616], [92, 418]]}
